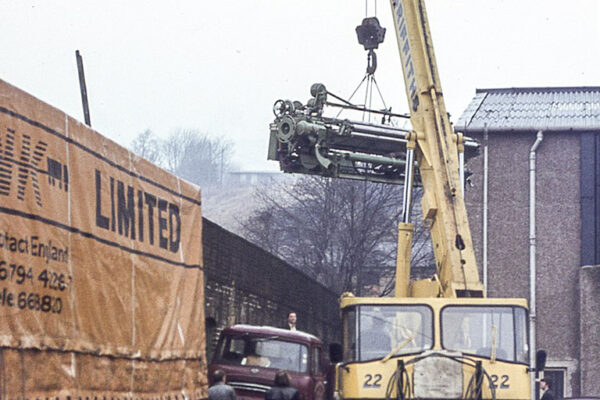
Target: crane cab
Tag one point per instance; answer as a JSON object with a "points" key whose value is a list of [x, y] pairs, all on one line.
{"points": [[442, 348]]}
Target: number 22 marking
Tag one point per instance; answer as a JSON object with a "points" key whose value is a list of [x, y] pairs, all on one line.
{"points": [[372, 381], [503, 384]]}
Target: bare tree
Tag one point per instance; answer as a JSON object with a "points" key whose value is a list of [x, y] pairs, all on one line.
{"points": [[341, 232], [188, 153], [147, 145], [197, 157]]}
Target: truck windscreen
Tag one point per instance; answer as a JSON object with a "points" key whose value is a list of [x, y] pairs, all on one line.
{"points": [[485, 331], [372, 332], [263, 352]]}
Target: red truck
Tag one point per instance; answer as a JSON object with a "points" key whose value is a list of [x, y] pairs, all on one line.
{"points": [[251, 355]]}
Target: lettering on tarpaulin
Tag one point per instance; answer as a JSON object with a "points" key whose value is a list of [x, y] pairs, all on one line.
{"points": [[21, 166], [137, 214], [32, 301], [22, 275], [33, 245], [31, 288], [58, 174]]}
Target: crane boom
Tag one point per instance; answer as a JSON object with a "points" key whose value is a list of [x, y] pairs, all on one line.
{"points": [[437, 154]]}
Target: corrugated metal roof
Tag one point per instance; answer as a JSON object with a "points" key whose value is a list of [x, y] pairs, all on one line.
{"points": [[532, 109]]}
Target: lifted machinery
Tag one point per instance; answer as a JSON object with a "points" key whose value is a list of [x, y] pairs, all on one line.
{"points": [[438, 338]]}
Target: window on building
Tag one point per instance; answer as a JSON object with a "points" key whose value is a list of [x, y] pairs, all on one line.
{"points": [[557, 377]]}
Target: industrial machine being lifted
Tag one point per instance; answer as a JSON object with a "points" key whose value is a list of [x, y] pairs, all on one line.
{"points": [[304, 141], [438, 338]]}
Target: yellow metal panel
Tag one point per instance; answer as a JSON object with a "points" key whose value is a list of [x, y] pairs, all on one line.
{"points": [[435, 303], [405, 233], [370, 380]]}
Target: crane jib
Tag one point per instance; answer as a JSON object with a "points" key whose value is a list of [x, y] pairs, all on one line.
{"points": [[405, 53]]}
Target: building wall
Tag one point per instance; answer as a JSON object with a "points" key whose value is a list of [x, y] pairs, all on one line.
{"points": [[245, 284], [558, 257], [590, 330], [558, 235]]}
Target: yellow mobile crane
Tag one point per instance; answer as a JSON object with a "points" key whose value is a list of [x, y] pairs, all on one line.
{"points": [[438, 338]]}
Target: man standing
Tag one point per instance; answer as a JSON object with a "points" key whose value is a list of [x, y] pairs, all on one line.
{"points": [[546, 386], [282, 389], [220, 390], [291, 321]]}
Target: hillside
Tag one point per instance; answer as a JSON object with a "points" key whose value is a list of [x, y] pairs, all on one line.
{"points": [[229, 206]]}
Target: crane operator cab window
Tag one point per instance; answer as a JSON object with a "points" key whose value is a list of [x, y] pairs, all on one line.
{"points": [[374, 332], [490, 332]]}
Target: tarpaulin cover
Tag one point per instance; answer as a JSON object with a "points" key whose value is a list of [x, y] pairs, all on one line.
{"points": [[101, 282]]}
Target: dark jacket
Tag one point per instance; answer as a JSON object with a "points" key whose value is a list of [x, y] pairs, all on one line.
{"points": [[287, 326], [282, 393], [548, 395], [221, 391]]}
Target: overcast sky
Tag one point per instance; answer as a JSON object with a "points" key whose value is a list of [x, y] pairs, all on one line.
{"points": [[219, 65]]}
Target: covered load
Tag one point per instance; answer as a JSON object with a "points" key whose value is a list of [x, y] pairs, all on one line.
{"points": [[101, 281]]}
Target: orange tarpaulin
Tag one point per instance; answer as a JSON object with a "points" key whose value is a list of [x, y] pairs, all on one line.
{"points": [[101, 283]]}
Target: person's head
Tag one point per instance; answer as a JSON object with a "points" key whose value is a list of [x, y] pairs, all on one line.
{"points": [[292, 318], [545, 384], [219, 376], [282, 378]]}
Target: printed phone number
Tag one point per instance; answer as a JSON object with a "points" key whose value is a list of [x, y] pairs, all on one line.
{"points": [[31, 301], [21, 274]]}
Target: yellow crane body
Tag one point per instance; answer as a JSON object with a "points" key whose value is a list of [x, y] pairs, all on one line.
{"points": [[437, 338]]}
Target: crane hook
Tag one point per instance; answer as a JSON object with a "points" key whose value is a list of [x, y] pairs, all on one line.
{"points": [[371, 62]]}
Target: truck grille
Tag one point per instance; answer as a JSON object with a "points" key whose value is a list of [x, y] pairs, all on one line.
{"points": [[251, 387]]}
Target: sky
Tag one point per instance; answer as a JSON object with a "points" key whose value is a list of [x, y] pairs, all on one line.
{"points": [[218, 66]]}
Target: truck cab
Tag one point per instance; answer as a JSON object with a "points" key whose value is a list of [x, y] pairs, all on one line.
{"points": [[251, 355]]}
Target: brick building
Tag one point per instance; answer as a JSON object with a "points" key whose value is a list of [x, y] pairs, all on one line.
{"points": [[244, 284], [565, 202]]}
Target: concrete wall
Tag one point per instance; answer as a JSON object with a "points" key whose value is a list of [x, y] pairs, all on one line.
{"points": [[589, 280], [245, 284], [558, 235]]}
